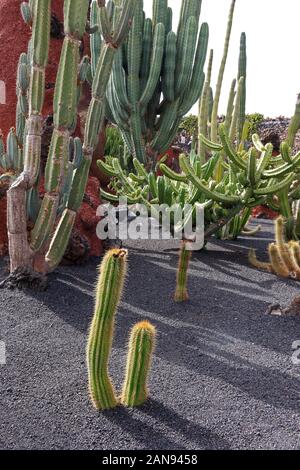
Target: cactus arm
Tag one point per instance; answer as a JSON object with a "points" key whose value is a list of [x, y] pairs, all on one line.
{"points": [[214, 195], [259, 264], [108, 294], [140, 350], [236, 112], [230, 106], [95, 38], [169, 67], [65, 106], [273, 189], [189, 46], [20, 253], [214, 119], [203, 108], [242, 72], [156, 64]]}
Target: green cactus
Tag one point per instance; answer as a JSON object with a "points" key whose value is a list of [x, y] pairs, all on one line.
{"points": [[181, 294], [214, 118], [108, 293], [65, 180], [141, 345], [242, 73], [294, 125], [157, 77]]}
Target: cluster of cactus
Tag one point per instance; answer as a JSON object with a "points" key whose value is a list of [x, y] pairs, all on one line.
{"points": [[284, 256], [114, 146], [65, 180], [250, 178], [141, 342], [157, 77]]}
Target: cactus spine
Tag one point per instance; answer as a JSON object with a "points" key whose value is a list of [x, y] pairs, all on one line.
{"points": [[157, 77], [181, 294], [108, 293], [141, 345]]}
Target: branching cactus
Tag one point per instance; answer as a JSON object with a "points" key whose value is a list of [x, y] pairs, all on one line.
{"points": [[65, 180], [181, 294], [157, 77], [108, 293], [140, 350], [284, 257]]}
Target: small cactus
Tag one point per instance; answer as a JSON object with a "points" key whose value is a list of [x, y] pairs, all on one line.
{"points": [[108, 293], [181, 294], [141, 345]]}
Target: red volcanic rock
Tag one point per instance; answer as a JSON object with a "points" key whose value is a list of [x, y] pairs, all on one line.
{"points": [[87, 220]]}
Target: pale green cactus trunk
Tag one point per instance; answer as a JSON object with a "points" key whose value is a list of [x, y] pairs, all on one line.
{"points": [[157, 77], [214, 118], [108, 293], [140, 350], [204, 108]]}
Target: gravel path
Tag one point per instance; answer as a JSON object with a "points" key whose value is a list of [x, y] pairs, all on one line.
{"points": [[222, 376]]}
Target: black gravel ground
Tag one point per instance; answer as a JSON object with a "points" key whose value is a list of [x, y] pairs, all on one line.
{"points": [[222, 377]]}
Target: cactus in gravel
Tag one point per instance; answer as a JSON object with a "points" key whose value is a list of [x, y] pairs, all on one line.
{"points": [[242, 73], [157, 77], [181, 294], [141, 345], [108, 294], [214, 118], [65, 180], [284, 259]]}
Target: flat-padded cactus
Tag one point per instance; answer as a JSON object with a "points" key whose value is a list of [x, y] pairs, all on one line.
{"points": [[108, 293], [140, 350]]}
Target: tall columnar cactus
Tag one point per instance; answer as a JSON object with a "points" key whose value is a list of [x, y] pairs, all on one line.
{"points": [[65, 180], [181, 294], [214, 118], [157, 77], [242, 73], [141, 345], [108, 293]]}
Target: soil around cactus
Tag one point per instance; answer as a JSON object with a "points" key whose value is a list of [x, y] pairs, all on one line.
{"points": [[222, 378]]}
